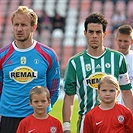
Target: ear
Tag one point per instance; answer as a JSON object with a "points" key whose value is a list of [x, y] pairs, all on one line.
{"points": [[30, 103], [85, 32], [34, 28], [132, 41], [98, 91], [49, 101], [105, 33], [118, 92]]}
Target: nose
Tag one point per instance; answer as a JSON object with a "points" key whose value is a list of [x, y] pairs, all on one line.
{"points": [[107, 93], [40, 104], [122, 43], [94, 34], [19, 28]]}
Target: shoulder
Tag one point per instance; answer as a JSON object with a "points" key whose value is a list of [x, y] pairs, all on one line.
{"points": [[27, 119], [43, 46], [118, 56], [123, 109], [78, 55], [44, 49], [130, 52], [114, 51], [93, 111], [5, 48], [54, 119]]}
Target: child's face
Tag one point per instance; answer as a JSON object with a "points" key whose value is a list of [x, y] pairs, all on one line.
{"points": [[107, 93], [40, 103]]}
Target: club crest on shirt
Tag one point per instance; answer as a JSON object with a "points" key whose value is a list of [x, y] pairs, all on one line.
{"points": [[53, 129], [36, 61], [23, 60], [107, 65], [121, 118], [94, 79], [88, 67]]}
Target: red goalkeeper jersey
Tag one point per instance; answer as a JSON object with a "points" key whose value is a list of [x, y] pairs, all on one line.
{"points": [[32, 125], [116, 120]]}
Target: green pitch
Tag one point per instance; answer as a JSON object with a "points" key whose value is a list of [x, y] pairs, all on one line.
{"points": [[57, 113]]}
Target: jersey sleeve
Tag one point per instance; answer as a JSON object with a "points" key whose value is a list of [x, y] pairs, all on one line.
{"points": [[87, 126], [53, 73], [1, 81], [124, 81], [129, 122], [59, 129], [21, 128], [1, 77], [53, 79], [70, 79]]}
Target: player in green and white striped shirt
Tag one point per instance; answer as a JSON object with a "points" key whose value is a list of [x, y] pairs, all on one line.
{"points": [[85, 70]]}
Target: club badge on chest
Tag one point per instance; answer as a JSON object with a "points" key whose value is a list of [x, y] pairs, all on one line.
{"points": [[23, 60]]}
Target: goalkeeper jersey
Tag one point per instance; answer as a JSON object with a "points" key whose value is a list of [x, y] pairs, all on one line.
{"points": [[84, 72], [20, 71]]}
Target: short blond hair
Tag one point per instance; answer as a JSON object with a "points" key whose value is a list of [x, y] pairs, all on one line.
{"points": [[109, 79], [39, 90], [29, 12]]}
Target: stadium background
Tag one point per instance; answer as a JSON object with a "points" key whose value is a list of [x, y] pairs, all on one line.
{"points": [[72, 40]]}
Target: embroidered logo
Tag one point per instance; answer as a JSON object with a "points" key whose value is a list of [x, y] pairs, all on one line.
{"points": [[88, 67], [107, 65], [36, 61], [98, 66], [53, 130], [23, 60], [121, 118], [30, 131], [97, 123]]}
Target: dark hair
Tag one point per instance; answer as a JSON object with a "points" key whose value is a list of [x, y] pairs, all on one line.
{"points": [[96, 18], [125, 29]]}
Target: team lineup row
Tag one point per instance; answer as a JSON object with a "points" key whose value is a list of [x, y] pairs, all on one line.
{"points": [[98, 75]]}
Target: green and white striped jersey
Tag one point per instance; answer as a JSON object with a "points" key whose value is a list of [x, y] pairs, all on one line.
{"points": [[84, 72]]}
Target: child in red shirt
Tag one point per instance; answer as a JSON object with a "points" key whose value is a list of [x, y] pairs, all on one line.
{"points": [[40, 121], [108, 117]]}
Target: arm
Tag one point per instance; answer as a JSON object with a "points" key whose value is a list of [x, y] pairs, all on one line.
{"points": [[53, 80], [128, 99], [21, 128], [128, 122], [1, 82], [88, 125], [67, 108], [125, 85]]}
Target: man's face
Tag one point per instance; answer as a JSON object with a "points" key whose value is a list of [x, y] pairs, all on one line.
{"points": [[124, 43], [22, 28], [94, 35]]}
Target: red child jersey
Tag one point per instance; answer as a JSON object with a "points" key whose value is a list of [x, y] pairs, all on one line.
{"points": [[116, 120], [32, 125]]}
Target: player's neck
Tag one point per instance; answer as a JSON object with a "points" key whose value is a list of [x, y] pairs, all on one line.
{"points": [[107, 106], [96, 52], [40, 116], [24, 44]]}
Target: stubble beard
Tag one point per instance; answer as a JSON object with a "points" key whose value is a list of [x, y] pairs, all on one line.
{"points": [[94, 47], [22, 40]]}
